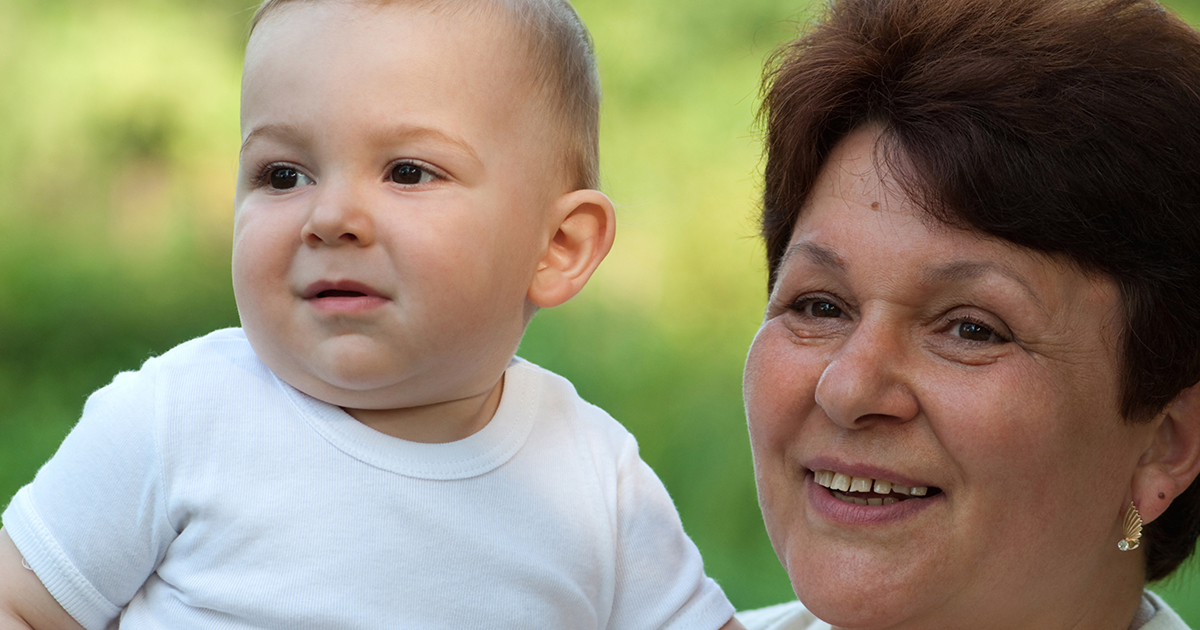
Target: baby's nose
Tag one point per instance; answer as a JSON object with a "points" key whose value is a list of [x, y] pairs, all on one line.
{"points": [[338, 217]]}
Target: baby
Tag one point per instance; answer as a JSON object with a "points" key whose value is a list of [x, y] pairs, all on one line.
{"points": [[417, 178]]}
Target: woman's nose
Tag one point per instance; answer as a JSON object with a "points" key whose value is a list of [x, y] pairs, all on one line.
{"points": [[339, 216], [866, 382]]}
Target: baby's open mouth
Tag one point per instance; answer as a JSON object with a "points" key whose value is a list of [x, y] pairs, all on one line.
{"points": [[866, 491], [325, 289]]}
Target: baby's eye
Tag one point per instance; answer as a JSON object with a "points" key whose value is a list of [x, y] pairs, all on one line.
{"points": [[409, 174], [286, 178]]}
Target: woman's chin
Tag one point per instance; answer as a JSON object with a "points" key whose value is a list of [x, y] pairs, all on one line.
{"points": [[862, 609], [859, 589]]}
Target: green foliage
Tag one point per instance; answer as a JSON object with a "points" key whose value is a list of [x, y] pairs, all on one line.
{"points": [[118, 148]]}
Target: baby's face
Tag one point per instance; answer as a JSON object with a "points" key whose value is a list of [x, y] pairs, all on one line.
{"points": [[392, 201]]}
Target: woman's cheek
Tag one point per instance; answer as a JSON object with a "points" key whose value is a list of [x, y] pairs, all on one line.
{"points": [[764, 390], [775, 391], [781, 371], [779, 387]]}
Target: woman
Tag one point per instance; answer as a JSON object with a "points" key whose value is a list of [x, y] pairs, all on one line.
{"points": [[978, 367]]}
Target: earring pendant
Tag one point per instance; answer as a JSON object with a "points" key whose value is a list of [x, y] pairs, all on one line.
{"points": [[1133, 529]]}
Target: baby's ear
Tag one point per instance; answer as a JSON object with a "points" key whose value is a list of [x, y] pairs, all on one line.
{"points": [[582, 226], [1172, 462]]}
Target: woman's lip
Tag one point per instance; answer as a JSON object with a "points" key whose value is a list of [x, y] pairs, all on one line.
{"points": [[832, 509]]}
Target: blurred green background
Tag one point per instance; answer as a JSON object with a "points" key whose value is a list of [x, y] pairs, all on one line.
{"points": [[118, 148]]}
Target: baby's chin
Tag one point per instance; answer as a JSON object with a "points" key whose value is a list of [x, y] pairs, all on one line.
{"points": [[359, 389], [399, 391], [375, 390], [343, 375], [408, 411]]}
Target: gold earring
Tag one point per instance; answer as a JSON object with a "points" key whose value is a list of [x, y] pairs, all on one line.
{"points": [[1133, 529]]}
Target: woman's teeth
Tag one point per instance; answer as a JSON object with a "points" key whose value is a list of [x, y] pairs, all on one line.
{"points": [[841, 483], [862, 501]]}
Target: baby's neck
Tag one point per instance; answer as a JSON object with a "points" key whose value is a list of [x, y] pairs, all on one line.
{"points": [[447, 421]]}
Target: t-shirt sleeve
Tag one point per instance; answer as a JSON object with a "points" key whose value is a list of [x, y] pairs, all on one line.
{"points": [[93, 523], [787, 616], [660, 575]]}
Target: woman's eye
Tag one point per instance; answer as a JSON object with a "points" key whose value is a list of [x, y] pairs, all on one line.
{"points": [[820, 308], [973, 331], [287, 178], [407, 174]]}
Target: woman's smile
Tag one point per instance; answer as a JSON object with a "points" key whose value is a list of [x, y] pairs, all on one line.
{"points": [[868, 491], [861, 505]]}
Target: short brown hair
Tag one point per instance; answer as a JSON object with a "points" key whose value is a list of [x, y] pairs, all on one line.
{"points": [[1069, 127], [564, 64]]}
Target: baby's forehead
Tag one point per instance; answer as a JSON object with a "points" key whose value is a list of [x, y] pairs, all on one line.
{"points": [[549, 57], [513, 47], [372, 80], [507, 50], [505, 17]]}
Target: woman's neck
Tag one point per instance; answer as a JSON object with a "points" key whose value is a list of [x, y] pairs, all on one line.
{"points": [[1107, 599]]}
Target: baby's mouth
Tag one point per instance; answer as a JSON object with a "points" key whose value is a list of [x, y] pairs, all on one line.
{"points": [[866, 491], [341, 289], [343, 298], [335, 293]]}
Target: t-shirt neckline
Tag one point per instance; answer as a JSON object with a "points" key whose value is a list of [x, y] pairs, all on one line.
{"points": [[485, 450]]}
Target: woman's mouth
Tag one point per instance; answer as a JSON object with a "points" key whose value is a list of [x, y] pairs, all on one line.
{"points": [[866, 491]]}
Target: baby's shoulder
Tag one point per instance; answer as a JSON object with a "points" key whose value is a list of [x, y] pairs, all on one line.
{"points": [[218, 359], [221, 350], [186, 380], [559, 407]]}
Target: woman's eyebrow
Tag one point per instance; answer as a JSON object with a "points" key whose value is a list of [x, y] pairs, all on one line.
{"points": [[962, 270], [816, 254]]}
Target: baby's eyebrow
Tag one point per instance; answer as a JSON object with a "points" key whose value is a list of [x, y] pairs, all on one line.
{"points": [[284, 130], [385, 136], [404, 132]]}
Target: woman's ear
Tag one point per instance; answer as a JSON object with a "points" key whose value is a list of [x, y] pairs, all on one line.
{"points": [[582, 228], [1172, 461]]}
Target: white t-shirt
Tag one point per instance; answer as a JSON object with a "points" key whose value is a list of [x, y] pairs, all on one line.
{"points": [[1153, 614], [203, 492]]}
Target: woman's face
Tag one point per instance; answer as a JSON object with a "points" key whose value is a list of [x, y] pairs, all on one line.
{"points": [[901, 351]]}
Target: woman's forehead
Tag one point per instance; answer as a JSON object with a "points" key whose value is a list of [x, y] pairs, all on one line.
{"points": [[860, 225]]}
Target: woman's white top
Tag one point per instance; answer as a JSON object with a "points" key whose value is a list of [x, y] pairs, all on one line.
{"points": [[1153, 614]]}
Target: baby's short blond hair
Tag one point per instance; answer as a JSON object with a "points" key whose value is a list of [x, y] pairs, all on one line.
{"points": [[563, 65]]}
